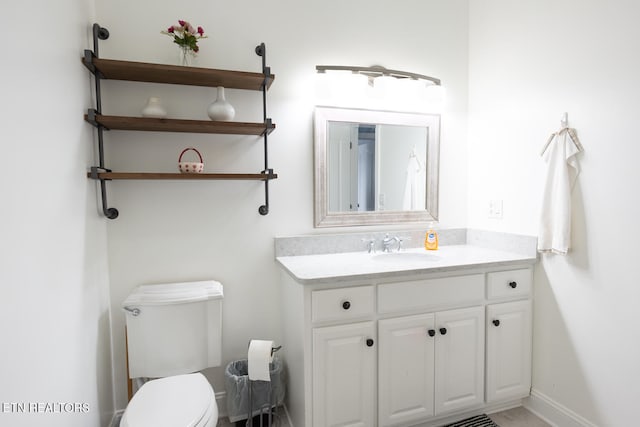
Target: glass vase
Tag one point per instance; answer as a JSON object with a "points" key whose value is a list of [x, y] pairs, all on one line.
{"points": [[186, 55]]}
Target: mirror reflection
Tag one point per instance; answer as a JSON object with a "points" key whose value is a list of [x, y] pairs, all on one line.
{"points": [[375, 167]]}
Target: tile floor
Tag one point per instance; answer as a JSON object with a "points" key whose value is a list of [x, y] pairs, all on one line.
{"points": [[224, 422], [516, 417]]}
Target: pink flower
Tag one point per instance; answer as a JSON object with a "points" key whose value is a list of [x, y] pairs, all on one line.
{"points": [[185, 35]]}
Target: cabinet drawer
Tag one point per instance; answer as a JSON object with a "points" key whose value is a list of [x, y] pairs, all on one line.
{"points": [[342, 303], [506, 284], [430, 293]]}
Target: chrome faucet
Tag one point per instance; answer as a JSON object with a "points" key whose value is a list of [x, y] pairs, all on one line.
{"points": [[388, 241]]}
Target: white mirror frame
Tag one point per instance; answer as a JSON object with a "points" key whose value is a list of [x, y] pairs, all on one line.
{"points": [[324, 218]]}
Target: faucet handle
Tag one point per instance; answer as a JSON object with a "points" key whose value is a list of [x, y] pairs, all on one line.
{"points": [[400, 240], [371, 245]]}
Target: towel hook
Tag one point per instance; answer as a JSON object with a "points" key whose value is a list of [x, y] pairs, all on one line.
{"points": [[564, 121]]}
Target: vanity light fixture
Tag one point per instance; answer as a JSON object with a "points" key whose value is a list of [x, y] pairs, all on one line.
{"points": [[377, 71], [377, 87]]}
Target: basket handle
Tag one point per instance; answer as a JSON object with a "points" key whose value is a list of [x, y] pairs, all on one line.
{"points": [[187, 149]]}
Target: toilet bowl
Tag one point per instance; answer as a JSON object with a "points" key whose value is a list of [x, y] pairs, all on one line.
{"points": [[176, 401]]}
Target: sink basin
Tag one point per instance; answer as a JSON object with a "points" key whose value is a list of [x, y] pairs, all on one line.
{"points": [[405, 257]]}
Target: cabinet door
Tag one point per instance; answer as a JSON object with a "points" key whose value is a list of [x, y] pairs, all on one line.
{"points": [[459, 362], [405, 369], [508, 350], [344, 379]]}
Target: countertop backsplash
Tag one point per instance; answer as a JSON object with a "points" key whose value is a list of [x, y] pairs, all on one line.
{"points": [[412, 238]]}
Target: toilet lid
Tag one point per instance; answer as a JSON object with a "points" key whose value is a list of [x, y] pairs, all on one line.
{"points": [[181, 400]]}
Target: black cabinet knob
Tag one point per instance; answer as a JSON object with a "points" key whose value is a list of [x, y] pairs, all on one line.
{"points": [[443, 331], [431, 332], [496, 322], [369, 342], [513, 284], [346, 305]]}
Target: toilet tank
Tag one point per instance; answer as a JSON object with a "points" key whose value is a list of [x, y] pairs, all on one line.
{"points": [[173, 328]]}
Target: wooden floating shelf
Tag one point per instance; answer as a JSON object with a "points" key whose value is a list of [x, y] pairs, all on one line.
{"points": [[184, 176], [179, 125], [175, 74]]}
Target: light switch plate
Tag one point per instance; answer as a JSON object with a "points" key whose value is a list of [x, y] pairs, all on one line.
{"points": [[495, 209]]}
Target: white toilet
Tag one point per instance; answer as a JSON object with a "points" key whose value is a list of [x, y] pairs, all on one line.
{"points": [[173, 331]]}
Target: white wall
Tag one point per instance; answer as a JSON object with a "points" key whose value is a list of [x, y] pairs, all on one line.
{"points": [[186, 231], [530, 61], [54, 306]]}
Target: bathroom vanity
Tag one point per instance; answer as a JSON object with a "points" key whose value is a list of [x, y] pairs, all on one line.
{"points": [[406, 338]]}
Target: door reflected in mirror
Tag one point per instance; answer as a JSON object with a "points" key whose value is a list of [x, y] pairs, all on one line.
{"points": [[375, 167]]}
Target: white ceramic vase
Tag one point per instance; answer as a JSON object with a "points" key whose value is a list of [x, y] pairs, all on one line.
{"points": [[220, 109], [154, 109]]}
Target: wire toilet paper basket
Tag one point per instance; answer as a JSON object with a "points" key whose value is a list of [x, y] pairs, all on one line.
{"points": [[267, 408], [253, 403]]}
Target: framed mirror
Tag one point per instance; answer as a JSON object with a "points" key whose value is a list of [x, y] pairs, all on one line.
{"points": [[375, 167]]}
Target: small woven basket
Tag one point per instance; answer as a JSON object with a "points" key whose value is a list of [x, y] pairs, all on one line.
{"points": [[190, 167]]}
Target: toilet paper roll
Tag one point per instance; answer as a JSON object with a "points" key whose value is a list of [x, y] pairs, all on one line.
{"points": [[259, 358]]}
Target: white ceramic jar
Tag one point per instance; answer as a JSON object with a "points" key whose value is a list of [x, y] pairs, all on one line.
{"points": [[154, 109]]}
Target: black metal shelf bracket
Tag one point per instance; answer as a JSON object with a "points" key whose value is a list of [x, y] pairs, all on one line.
{"points": [[261, 50], [268, 126], [111, 213], [99, 33]]}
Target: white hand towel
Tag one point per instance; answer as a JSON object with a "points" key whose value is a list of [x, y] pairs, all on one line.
{"points": [[555, 220], [415, 186]]}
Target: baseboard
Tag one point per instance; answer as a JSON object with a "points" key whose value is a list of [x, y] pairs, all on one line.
{"points": [[553, 412], [221, 401], [487, 409], [286, 412], [492, 408], [115, 420]]}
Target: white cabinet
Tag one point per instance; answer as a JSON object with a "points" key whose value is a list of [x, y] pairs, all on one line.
{"points": [[459, 359], [406, 361], [508, 350], [509, 284], [344, 357], [344, 375], [342, 303], [421, 349], [430, 294], [430, 364]]}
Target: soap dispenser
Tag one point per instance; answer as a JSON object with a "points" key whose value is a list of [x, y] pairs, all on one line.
{"points": [[431, 239]]}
